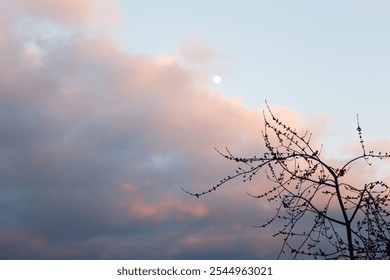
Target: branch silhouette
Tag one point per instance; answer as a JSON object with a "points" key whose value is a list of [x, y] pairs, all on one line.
{"points": [[323, 216]]}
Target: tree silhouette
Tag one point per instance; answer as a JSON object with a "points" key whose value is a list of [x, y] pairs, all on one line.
{"points": [[324, 216]]}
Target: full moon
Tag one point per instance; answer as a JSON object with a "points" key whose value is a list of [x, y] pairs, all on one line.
{"points": [[217, 79]]}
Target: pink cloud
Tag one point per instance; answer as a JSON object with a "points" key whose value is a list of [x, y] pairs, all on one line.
{"points": [[31, 244], [166, 208], [74, 12], [375, 146]]}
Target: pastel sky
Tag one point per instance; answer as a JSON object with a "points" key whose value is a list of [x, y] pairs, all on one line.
{"points": [[108, 108]]}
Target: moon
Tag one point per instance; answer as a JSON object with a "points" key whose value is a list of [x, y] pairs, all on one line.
{"points": [[217, 79]]}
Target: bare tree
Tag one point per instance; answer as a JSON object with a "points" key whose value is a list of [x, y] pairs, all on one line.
{"points": [[323, 215]]}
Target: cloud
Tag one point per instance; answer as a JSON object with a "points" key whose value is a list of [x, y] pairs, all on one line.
{"points": [[217, 244], [165, 209], [204, 60], [198, 52], [14, 244], [73, 12]]}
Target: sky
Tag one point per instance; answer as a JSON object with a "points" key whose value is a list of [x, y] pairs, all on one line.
{"points": [[108, 108]]}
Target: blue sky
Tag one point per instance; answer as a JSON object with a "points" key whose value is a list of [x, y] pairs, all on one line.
{"points": [[107, 109]]}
